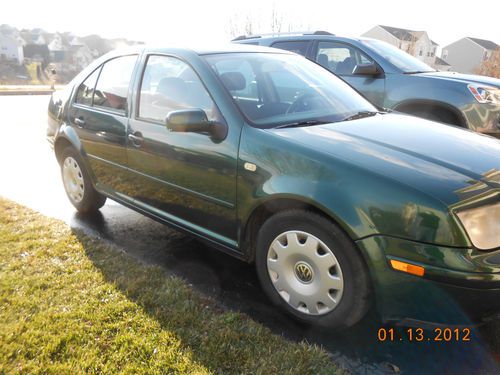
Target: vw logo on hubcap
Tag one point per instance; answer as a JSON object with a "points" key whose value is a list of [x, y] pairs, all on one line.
{"points": [[303, 272]]}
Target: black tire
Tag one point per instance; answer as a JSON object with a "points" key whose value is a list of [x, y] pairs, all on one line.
{"points": [[356, 296], [90, 200], [433, 114]]}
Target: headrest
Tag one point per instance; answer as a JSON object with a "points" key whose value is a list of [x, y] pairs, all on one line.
{"points": [[323, 60], [234, 81], [171, 86]]}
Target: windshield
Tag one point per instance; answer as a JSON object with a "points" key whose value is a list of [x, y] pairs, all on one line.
{"points": [[279, 89], [407, 63]]}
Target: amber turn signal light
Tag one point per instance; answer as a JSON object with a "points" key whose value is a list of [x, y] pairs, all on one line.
{"points": [[408, 268]]}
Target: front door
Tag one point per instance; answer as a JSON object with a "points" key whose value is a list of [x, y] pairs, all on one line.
{"points": [[341, 58], [188, 178]]}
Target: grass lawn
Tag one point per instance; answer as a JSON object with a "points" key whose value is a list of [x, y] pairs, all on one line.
{"points": [[72, 304]]}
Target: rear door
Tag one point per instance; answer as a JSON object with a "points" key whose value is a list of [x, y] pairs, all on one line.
{"points": [[99, 115]]}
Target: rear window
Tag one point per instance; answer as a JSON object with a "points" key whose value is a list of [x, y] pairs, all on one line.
{"points": [[113, 83]]}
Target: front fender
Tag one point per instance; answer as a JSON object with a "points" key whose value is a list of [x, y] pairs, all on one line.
{"points": [[404, 88], [363, 202]]}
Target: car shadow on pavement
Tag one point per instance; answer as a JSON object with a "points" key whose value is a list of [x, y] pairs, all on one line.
{"points": [[233, 285]]}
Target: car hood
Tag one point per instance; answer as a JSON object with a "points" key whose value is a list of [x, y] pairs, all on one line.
{"points": [[464, 78], [440, 160]]}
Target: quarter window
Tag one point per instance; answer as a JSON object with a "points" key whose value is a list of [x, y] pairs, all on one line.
{"points": [[113, 83], [169, 84], [86, 89]]}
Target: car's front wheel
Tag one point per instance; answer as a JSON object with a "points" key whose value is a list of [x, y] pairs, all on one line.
{"points": [[310, 268], [77, 183]]}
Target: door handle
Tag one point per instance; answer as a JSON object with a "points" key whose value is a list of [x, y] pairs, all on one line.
{"points": [[136, 139], [79, 121]]}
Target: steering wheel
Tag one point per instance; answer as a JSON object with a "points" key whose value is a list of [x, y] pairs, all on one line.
{"points": [[305, 102]]}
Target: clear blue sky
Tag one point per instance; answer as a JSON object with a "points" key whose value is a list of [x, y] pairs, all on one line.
{"points": [[185, 21]]}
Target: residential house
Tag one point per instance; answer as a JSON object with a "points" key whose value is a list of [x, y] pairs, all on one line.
{"points": [[416, 43], [465, 55], [11, 46], [59, 49], [442, 65], [35, 45]]}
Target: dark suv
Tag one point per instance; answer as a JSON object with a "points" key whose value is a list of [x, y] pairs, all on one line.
{"points": [[391, 78]]}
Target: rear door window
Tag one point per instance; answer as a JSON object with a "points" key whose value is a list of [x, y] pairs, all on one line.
{"points": [[113, 83]]}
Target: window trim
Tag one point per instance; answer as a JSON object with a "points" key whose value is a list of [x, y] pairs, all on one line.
{"points": [[137, 106]]}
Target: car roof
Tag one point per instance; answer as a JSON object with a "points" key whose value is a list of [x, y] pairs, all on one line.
{"points": [[293, 36], [201, 49]]}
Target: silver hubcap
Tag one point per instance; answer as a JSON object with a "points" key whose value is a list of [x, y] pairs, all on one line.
{"points": [[305, 272], [73, 179]]}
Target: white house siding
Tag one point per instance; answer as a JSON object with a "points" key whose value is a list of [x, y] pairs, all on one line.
{"points": [[425, 50], [422, 47], [464, 55], [11, 49], [379, 33]]}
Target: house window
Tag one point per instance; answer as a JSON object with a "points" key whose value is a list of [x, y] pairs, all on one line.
{"points": [[432, 54], [420, 53]]}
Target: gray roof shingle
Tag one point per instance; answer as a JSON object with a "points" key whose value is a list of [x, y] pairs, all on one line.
{"points": [[487, 44], [440, 61], [402, 34]]}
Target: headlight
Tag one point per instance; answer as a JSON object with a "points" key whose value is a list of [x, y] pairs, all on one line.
{"points": [[482, 224], [485, 94]]}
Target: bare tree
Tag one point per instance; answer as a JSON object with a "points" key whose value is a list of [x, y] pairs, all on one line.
{"points": [[491, 66], [276, 20], [247, 24], [238, 27]]}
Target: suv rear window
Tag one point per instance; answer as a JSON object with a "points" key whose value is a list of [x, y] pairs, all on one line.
{"points": [[298, 46]]}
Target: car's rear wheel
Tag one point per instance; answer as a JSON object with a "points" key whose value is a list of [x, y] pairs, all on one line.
{"points": [[309, 267], [77, 183]]}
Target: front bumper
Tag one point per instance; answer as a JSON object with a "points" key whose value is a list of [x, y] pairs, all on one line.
{"points": [[460, 286], [483, 118]]}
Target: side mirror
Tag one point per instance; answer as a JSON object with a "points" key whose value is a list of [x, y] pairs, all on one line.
{"points": [[369, 69], [195, 121]]}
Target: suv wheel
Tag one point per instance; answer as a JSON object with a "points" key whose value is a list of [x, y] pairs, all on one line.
{"points": [[310, 268], [77, 183]]}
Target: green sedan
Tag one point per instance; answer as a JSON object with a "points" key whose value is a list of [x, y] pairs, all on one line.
{"points": [[274, 160]]}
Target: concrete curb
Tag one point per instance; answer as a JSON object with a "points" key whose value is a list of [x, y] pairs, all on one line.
{"points": [[26, 92]]}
